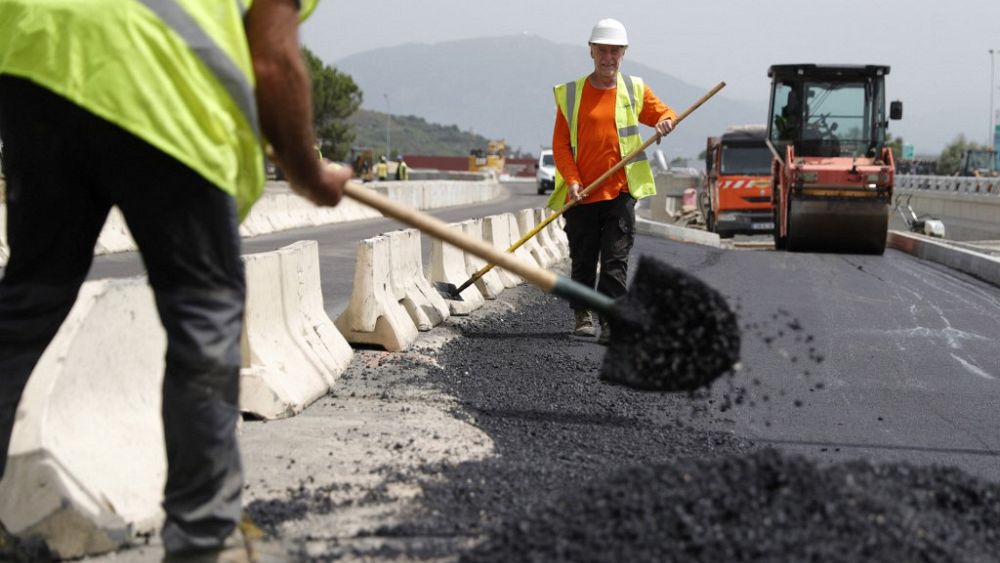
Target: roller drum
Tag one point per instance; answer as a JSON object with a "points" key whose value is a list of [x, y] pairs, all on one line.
{"points": [[837, 225]]}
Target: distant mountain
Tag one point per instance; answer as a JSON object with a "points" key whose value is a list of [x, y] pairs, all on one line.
{"points": [[501, 88], [409, 134]]}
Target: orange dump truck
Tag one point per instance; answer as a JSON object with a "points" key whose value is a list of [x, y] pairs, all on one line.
{"points": [[738, 182]]}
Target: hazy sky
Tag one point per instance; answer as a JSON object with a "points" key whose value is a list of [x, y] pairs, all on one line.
{"points": [[938, 50]]}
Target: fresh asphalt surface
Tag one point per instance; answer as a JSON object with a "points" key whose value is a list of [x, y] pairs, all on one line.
{"points": [[844, 356]]}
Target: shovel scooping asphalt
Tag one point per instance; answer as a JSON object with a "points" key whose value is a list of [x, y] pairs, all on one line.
{"points": [[671, 332], [456, 295]]}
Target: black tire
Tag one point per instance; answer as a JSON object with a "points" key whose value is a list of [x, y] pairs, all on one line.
{"points": [[710, 222]]}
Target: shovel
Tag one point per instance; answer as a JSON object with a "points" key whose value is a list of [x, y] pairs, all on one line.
{"points": [[671, 332], [456, 295]]}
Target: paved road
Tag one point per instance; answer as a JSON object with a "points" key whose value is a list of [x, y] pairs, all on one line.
{"points": [[881, 356]]}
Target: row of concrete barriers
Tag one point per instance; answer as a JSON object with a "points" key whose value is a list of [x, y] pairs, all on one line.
{"points": [[87, 464], [280, 210], [392, 300]]}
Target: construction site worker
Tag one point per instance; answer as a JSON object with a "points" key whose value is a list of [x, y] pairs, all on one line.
{"points": [[166, 121], [597, 123], [402, 171], [382, 168]]}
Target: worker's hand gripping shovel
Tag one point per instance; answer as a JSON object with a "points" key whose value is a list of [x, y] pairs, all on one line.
{"points": [[673, 333], [449, 291]]}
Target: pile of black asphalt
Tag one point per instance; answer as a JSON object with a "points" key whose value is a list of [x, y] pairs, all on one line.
{"points": [[765, 506], [588, 470], [674, 332]]}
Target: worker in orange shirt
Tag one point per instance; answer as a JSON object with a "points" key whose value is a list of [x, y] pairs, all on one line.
{"points": [[597, 123]]}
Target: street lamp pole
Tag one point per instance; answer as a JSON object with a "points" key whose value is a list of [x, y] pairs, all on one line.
{"points": [[993, 72], [388, 124]]}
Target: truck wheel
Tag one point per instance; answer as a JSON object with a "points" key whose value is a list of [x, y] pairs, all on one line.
{"points": [[710, 222], [541, 189]]}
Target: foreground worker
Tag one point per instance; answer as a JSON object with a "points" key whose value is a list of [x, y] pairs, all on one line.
{"points": [[597, 124], [152, 107]]}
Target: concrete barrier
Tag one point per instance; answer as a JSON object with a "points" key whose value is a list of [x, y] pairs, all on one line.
{"points": [[525, 223], [374, 315], [558, 234], [665, 204], [115, 236], [496, 231], [422, 302], [305, 313], [291, 354], [448, 266], [982, 266], [545, 236], [87, 463], [490, 284]]}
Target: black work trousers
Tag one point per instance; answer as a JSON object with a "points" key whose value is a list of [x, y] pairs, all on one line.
{"points": [[65, 168], [601, 232]]}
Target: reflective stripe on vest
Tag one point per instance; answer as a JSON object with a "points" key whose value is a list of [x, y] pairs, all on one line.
{"points": [[637, 172], [226, 72]]}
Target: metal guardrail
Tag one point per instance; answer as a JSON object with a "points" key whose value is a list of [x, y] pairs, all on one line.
{"points": [[950, 184]]}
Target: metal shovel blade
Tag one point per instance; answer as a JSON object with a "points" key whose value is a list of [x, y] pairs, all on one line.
{"points": [[448, 291]]}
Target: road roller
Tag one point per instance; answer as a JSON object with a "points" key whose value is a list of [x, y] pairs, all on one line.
{"points": [[832, 172]]}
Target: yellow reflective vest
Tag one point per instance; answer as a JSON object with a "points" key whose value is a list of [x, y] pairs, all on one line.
{"points": [[175, 73], [628, 105]]}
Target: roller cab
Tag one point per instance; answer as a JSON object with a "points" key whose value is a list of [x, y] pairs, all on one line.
{"points": [[832, 173]]}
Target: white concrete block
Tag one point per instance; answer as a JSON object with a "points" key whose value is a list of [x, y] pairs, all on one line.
{"points": [[303, 292], [496, 231], [424, 304], [555, 233], [525, 224], [544, 237], [87, 462], [115, 236], [489, 284], [374, 315], [448, 266], [285, 368]]}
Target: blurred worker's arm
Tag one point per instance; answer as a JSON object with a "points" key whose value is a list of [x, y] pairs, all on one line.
{"points": [[562, 153], [656, 114], [284, 101]]}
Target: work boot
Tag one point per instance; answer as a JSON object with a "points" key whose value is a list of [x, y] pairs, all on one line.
{"points": [[605, 338], [244, 545], [584, 323]]}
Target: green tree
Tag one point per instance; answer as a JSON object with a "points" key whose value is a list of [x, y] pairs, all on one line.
{"points": [[335, 98], [896, 144], [951, 157]]}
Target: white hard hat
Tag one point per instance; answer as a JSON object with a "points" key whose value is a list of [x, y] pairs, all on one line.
{"points": [[609, 32]]}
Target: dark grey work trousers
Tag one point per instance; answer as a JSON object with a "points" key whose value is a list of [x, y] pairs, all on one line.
{"points": [[601, 232], [65, 168]]}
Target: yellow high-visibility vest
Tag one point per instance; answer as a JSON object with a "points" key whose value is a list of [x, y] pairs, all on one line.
{"points": [[628, 105], [177, 74]]}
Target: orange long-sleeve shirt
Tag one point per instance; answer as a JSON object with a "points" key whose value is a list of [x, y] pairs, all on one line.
{"points": [[597, 140]]}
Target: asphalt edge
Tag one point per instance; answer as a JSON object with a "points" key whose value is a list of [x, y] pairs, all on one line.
{"points": [[976, 264]]}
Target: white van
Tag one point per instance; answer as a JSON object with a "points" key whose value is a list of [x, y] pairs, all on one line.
{"points": [[545, 171]]}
